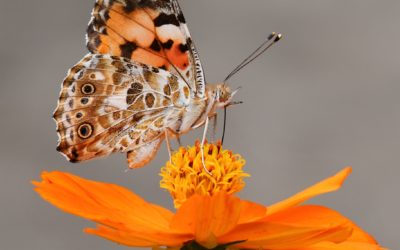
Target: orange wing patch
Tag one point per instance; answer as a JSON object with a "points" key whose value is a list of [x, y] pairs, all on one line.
{"points": [[152, 32], [129, 35], [143, 34]]}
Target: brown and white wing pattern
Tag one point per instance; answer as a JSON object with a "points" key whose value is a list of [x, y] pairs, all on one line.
{"points": [[111, 104], [152, 32]]}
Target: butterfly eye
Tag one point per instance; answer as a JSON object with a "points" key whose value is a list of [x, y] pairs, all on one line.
{"points": [[221, 96], [88, 89]]}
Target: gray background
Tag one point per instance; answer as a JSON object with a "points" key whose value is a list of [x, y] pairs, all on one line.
{"points": [[323, 98]]}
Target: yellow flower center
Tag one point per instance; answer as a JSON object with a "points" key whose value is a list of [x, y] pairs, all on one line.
{"points": [[185, 176]]}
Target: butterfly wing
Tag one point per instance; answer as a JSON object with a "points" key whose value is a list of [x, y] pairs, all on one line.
{"points": [[152, 32], [141, 156], [110, 104]]}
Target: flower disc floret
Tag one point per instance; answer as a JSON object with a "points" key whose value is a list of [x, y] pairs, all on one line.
{"points": [[184, 175]]}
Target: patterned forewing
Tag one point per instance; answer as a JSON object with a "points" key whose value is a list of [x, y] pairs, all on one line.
{"points": [[152, 32], [109, 104]]}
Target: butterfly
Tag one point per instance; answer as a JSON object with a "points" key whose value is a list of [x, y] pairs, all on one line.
{"points": [[141, 83]]}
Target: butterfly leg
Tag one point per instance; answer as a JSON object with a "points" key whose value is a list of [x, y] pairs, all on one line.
{"points": [[202, 146], [168, 145], [214, 133], [178, 138]]}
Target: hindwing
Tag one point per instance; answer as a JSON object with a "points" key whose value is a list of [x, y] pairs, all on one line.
{"points": [[111, 104]]}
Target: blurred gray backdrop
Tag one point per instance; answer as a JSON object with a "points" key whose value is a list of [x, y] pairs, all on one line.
{"points": [[325, 97]]}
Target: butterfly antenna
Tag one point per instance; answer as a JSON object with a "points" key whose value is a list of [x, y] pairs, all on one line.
{"points": [[271, 40], [224, 127]]}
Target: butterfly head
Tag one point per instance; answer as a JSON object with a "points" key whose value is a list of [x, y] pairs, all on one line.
{"points": [[223, 95]]}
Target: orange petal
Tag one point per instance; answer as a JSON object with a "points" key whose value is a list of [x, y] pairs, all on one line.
{"points": [[359, 240], [208, 217], [106, 204], [251, 212], [138, 238], [342, 246], [293, 228], [360, 235], [328, 185]]}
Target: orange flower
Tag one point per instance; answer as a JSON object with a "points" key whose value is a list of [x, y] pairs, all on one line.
{"points": [[216, 219]]}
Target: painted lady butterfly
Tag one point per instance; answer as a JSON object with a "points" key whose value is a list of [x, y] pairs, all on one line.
{"points": [[142, 82]]}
